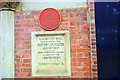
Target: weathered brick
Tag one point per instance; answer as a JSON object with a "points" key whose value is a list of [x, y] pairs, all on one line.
{"points": [[26, 60], [25, 69]]}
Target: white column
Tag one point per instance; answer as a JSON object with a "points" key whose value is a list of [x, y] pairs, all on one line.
{"points": [[0, 48], [7, 44]]}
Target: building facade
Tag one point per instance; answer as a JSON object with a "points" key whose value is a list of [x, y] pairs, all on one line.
{"points": [[16, 45]]}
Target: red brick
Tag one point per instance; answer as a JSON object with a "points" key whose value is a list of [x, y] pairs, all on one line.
{"points": [[26, 65], [93, 51], [87, 74], [18, 65], [19, 47], [92, 2], [95, 73], [92, 24], [79, 55], [92, 9], [79, 63], [17, 70], [73, 69], [72, 14], [75, 45], [18, 75], [93, 39], [80, 74], [26, 60], [94, 54], [18, 56], [95, 62], [27, 51], [74, 59], [73, 54], [73, 50], [84, 18], [72, 24], [73, 63], [63, 27], [24, 75], [17, 60], [83, 59], [94, 58], [93, 32], [26, 69], [86, 64], [86, 53], [74, 73]]}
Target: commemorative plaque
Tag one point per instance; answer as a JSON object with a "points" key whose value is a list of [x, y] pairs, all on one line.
{"points": [[49, 19], [51, 53]]}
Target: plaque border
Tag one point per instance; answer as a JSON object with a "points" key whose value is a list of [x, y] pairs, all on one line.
{"points": [[35, 72]]}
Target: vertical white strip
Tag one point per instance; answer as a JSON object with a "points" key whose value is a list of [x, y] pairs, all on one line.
{"points": [[0, 47], [7, 43]]}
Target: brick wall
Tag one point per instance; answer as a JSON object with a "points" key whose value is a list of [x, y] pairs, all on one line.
{"points": [[93, 53], [80, 23]]}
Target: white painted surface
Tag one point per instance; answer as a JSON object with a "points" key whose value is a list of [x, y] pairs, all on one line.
{"points": [[61, 0], [56, 5], [53, 0], [0, 48], [7, 44]]}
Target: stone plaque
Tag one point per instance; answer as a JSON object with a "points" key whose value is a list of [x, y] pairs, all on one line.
{"points": [[51, 53]]}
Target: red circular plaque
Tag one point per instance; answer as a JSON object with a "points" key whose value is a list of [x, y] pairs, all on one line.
{"points": [[49, 19]]}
